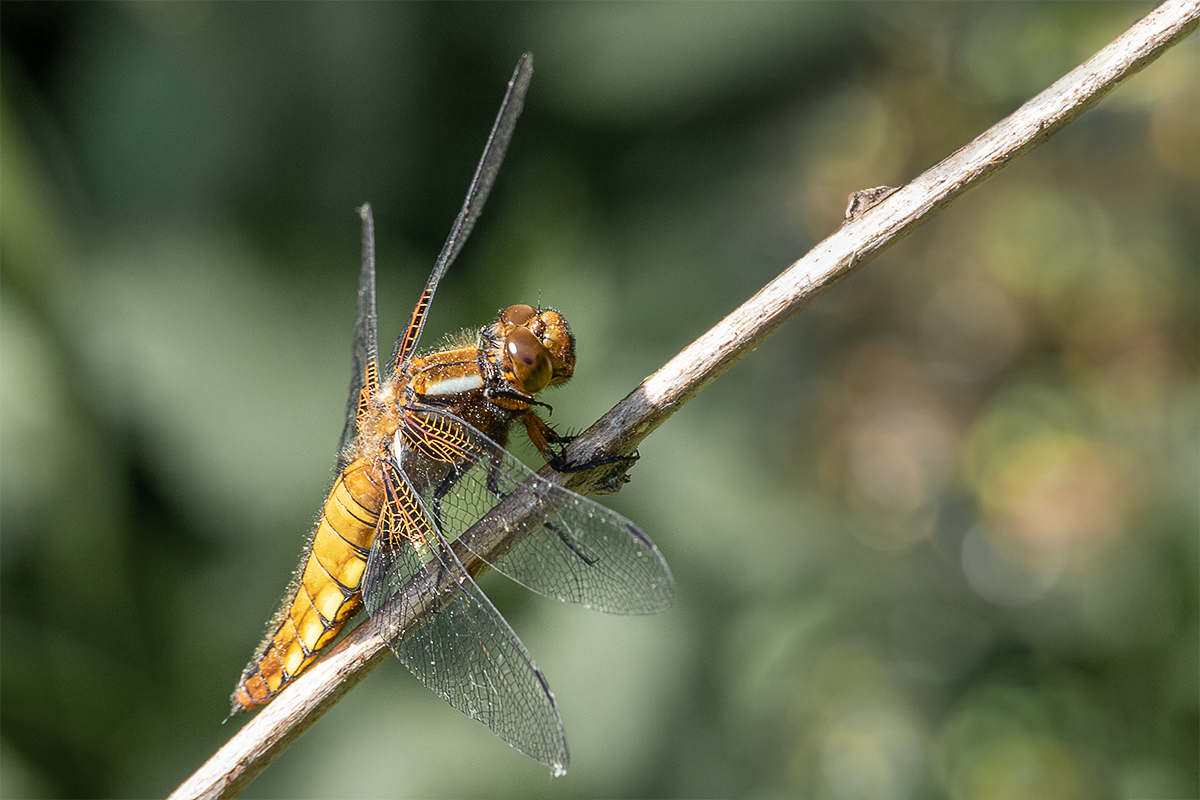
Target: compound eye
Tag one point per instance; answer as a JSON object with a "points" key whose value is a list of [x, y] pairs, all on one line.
{"points": [[528, 361], [518, 315]]}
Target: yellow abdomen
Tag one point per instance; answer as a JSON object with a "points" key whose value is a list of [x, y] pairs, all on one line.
{"points": [[325, 594]]}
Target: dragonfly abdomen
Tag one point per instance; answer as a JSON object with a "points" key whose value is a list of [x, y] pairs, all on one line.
{"points": [[326, 591]]}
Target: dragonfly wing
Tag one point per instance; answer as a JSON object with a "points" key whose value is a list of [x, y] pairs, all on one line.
{"points": [[445, 630], [582, 553], [481, 185], [364, 373]]}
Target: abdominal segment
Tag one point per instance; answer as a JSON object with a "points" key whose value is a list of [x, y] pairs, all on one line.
{"points": [[326, 592]]}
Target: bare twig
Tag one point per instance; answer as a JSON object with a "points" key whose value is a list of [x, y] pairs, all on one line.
{"points": [[878, 221]]}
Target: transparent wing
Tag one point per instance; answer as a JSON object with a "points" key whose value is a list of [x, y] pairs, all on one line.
{"points": [[583, 552], [481, 186], [446, 631], [364, 372]]}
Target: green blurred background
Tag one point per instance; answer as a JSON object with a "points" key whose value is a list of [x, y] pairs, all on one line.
{"points": [[935, 539]]}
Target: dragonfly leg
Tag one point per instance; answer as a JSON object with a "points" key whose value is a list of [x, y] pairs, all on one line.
{"points": [[560, 464], [443, 488], [492, 482], [551, 444], [561, 534]]}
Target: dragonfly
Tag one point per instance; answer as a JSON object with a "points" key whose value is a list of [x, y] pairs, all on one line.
{"points": [[422, 459]]}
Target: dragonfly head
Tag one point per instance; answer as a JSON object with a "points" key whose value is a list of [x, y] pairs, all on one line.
{"points": [[538, 349]]}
